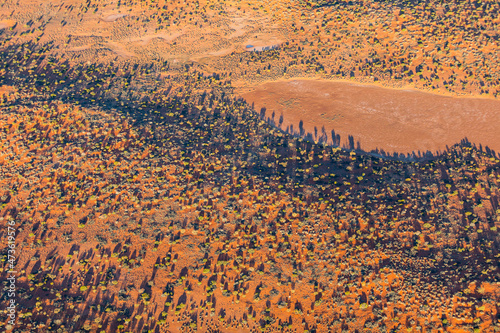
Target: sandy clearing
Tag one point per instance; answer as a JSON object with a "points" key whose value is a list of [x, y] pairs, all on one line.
{"points": [[7, 24], [168, 37], [222, 52], [240, 25], [120, 50], [78, 48], [395, 120], [113, 17], [204, 57]]}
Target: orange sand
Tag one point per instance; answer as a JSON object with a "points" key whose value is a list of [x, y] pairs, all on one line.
{"points": [[394, 120]]}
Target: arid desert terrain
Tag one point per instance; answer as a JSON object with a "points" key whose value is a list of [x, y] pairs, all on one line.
{"points": [[249, 166]]}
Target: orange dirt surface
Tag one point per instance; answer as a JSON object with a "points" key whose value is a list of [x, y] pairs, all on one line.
{"points": [[393, 120], [147, 197], [113, 17]]}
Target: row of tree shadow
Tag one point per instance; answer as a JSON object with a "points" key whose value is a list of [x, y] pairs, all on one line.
{"points": [[334, 139]]}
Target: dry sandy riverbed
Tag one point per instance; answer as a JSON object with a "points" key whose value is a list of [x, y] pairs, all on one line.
{"points": [[395, 120]]}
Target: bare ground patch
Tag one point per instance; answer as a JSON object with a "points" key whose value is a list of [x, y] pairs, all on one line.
{"points": [[395, 120]]}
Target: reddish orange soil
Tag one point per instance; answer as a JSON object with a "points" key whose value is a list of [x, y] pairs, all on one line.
{"points": [[395, 120], [145, 199]]}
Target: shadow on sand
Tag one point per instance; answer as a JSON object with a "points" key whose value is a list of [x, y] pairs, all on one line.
{"points": [[333, 139]]}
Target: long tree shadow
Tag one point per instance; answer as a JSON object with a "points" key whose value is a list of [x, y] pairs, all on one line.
{"points": [[333, 139]]}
